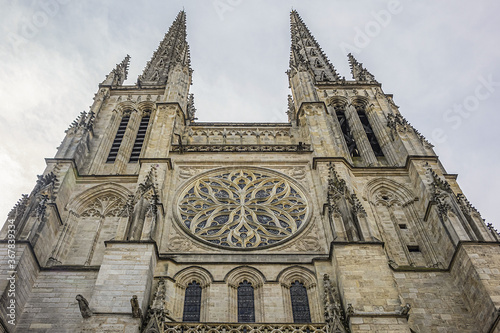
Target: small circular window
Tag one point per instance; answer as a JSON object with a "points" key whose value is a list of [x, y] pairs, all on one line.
{"points": [[242, 208]]}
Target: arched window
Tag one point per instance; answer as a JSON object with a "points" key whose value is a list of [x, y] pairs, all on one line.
{"points": [[246, 308], [346, 130], [139, 139], [192, 302], [118, 139], [368, 130], [300, 303]]}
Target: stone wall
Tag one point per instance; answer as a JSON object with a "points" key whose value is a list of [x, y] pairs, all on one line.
{"points": [[52, 306], [437, 304], [476, 271]]}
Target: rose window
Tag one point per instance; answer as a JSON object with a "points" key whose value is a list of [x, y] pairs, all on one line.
{"points": [[247, 208]]}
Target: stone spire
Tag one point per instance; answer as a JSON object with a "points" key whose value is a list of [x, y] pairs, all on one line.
{"points": [[359, 73], [119, 74], [173, 50], [306, 53]]}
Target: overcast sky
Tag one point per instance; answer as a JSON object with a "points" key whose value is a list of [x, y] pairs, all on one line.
{"points": [[440, 59]]}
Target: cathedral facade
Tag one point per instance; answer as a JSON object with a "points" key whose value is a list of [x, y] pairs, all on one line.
{"points": [[340, 220]]}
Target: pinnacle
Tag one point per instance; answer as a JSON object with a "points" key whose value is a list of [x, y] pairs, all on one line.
{"points": [[359, 73], [306, 52], [173, 49]]}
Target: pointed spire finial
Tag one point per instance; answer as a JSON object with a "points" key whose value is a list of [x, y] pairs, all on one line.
{"points": [[173, 50], [191, 110], [359, 73], [119, 74], [306, 53]]}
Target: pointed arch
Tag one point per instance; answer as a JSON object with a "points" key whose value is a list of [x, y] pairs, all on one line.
{"points": [[95, 216], [126, 107], [375, 186], [297, 273], [405, 236], [192, 285], [245, 277], [300, 294], [81, 201], [188, 274], [238, 274]]}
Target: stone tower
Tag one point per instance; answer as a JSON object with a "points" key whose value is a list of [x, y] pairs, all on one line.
{"points": [[340, 220]]}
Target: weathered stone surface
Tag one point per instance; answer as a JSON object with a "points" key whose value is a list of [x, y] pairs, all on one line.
{"points": [[374, 210]]}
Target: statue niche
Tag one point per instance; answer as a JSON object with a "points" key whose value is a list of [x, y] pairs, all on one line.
{"points": [[142, 210]]}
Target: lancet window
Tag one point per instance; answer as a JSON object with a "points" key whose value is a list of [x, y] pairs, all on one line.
{"points": [[300, 303], [377, 150], [192, 302], [246, 306], [118, 139], [346, 130], [139, 139]]}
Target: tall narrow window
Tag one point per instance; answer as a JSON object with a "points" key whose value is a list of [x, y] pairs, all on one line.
{"points": [[192, 302], [118, 139], [368, 130], [139, 139], [246, 308], [346, 131], [300, 303]]}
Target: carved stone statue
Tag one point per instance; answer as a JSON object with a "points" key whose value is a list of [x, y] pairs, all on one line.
{"points": [[84, 306], [136, 309]]}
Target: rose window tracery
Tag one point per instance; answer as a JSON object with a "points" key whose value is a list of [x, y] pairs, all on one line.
{"points": [[243, 208]]}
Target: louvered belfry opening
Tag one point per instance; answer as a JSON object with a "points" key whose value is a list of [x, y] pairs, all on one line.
{"points": [[139, 139], [118, 139], [346, 131], [377, 150]]}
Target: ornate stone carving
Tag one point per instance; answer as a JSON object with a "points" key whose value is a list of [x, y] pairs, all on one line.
{"points": [[144, 213], [341, 201], [103, 206], [191, 110], [466, 206], [441, 192], [335, 317], [136, 309], [19, 208], [291, 109], [85, 122], [301, 147], [309, 242], [242, 208], [84, 306], [234, 328], [303, 58], [405, 309], [157, 314], [119, 74], [397, 123], [359, 73], [177, 242]]}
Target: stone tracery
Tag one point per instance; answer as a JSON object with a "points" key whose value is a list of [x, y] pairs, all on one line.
{"points": [[243, 208]]}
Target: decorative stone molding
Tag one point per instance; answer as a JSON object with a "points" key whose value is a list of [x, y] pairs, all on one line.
{"points": [[301, 147], [397, 123]]}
